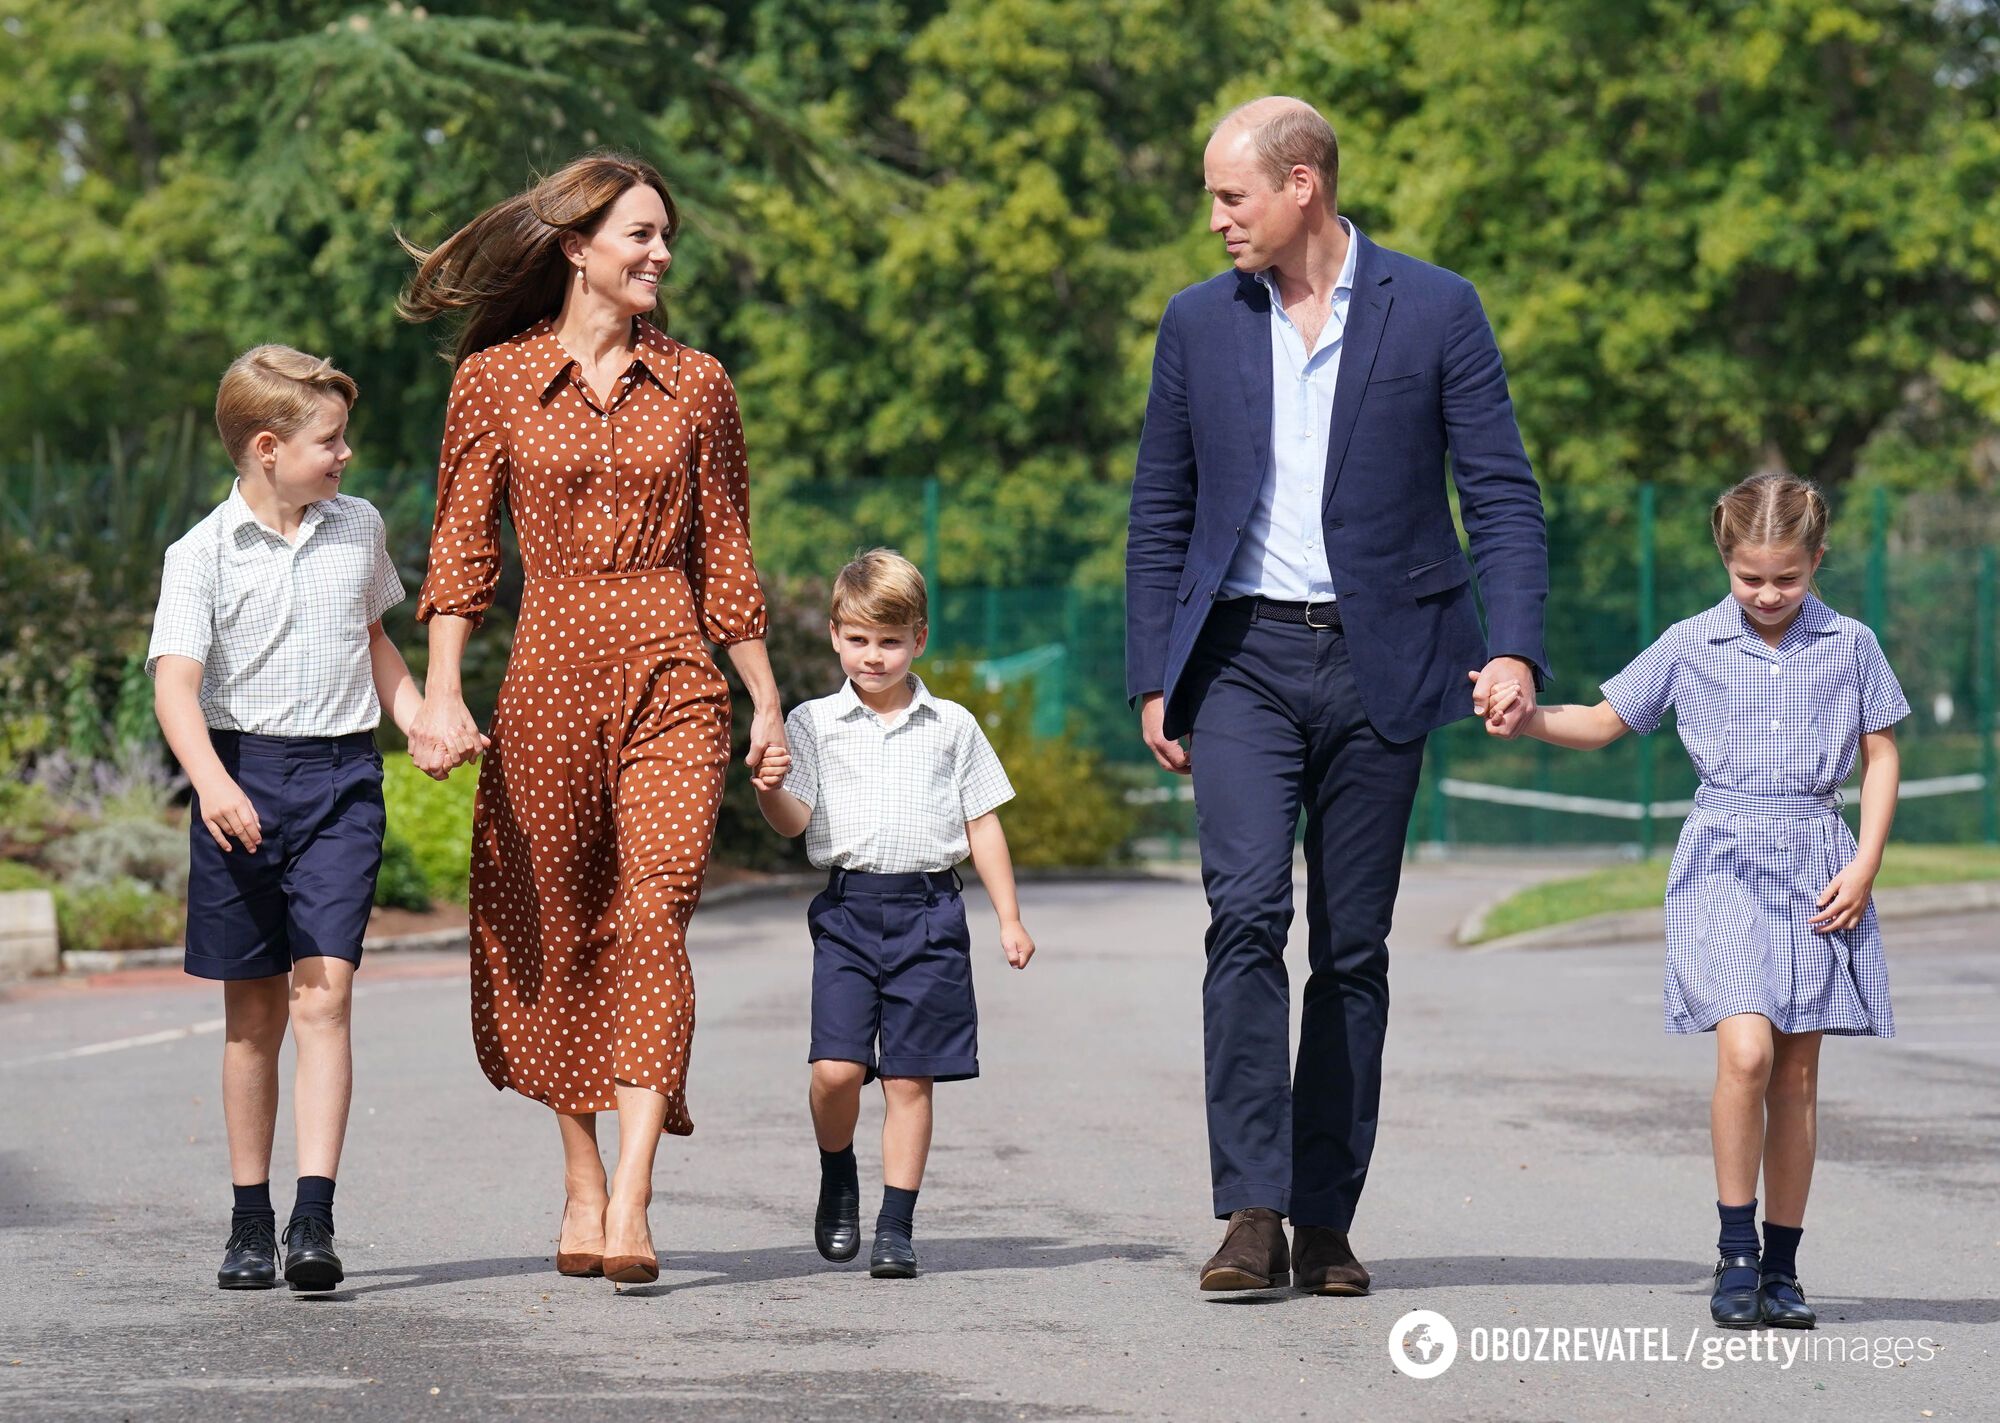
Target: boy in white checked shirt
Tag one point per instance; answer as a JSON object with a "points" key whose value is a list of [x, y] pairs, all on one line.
{"points": [[892, 787], [270, 673]]}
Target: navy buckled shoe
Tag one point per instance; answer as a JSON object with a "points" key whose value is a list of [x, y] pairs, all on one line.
{"points": [[1782, 1304], [1735, 1306]]}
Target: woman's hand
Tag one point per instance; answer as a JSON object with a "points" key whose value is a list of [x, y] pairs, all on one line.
{"points": [[444, 736], [767, 732]]}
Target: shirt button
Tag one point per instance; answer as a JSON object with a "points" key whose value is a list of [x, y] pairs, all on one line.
{"points": [[1774, 726], [1774, 669]]}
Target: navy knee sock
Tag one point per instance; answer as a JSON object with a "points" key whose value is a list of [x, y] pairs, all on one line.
{"points": [[315, 1200], [899, 1212], [1739, 1237], [252, 1203], [1781, 1249]]}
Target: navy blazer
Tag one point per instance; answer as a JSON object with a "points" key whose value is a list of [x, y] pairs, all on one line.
{"points": [[1419, 375]]}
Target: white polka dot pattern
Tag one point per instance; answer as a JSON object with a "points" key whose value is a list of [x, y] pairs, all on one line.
{"points": [[597, 803]]}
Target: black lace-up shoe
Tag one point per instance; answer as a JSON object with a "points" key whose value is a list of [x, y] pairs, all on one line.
{"points": [[250, 1259], [310, 1263]]}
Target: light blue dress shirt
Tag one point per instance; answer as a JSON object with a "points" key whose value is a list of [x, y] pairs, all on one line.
{"points": [[1282, 554]]}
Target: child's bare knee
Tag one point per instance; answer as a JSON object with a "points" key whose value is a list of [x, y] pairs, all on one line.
{"points": [[906, 1089], [255, 1010], [321, 1007], [1744, 1061], [833, 1075]]}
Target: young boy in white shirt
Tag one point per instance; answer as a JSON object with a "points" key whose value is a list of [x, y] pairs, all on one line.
{"points": [[892, 787], [270, 673]]}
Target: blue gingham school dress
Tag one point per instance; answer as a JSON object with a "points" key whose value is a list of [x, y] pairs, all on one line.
{"points": [[1773, 733]]}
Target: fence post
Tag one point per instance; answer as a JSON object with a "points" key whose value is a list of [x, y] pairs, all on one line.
{"points": [[1648, 622], [1982, 699], [936, 589], [1876, 606]]}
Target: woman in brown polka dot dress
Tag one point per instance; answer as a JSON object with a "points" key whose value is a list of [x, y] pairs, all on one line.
{"points": [[618, 454]]}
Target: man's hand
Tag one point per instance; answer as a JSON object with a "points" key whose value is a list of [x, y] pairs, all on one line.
{"points": [[1171, 755], [1505, 719]]}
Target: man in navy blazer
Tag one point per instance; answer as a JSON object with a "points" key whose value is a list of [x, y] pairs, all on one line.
{"points": [[1299, 608]]}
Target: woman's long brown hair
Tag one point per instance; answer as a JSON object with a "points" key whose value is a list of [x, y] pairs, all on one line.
{"points": [[506, 267]]}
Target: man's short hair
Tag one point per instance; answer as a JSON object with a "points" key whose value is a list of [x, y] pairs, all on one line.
{"points": [[880, 589], [275, 388], [1294, 135]]}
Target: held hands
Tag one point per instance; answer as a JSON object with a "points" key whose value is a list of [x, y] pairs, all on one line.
{"points": [[769, 774], [444, 736], [1504, 694], [1845, 898], [1015, 942], [767, 735], [227, 811]]}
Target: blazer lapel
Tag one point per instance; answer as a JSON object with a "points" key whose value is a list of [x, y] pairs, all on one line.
{"points": [[1367, 315], [1252, 313]]}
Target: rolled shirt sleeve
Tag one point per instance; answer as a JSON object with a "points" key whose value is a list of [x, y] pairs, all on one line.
{"points": [[464, 566], [184, 623], [802, 781], [1882, 701], [1643, 692], [982, 781]]}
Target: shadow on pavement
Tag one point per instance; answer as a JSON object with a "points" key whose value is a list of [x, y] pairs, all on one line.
{"points": [[943, 1255]]}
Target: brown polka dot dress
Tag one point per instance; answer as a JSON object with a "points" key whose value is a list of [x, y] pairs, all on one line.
{"points": [[597, 802]]}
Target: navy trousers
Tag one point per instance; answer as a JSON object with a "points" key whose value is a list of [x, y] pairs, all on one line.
{"points": [[1278, 729]]}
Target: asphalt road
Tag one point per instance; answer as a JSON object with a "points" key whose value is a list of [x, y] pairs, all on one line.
{"points": [[1543, 1167]]}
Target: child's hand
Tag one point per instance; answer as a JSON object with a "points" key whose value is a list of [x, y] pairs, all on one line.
{"points": [[1845, 898], [771, 771], [1015, 941], [1504, 695], [226, 811]]}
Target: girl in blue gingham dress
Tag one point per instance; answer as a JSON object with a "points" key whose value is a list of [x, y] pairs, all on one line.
{"points": [[1772, 939]]}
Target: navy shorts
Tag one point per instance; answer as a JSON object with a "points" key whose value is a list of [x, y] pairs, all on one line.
{"points": [[892, 963], [307, 889]]}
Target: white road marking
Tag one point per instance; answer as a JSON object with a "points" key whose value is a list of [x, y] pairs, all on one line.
{"points": [[167, 1035]]}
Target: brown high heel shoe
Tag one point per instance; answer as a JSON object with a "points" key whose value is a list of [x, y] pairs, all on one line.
{"points": [[631, 1269], [581, 1264]]}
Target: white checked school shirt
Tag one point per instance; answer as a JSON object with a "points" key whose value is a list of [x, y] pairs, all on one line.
{"points": [[280, 629], [892, 795]]}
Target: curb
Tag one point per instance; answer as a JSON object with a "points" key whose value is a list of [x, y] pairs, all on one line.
{"points": [[780, 886], [1916, 901]]}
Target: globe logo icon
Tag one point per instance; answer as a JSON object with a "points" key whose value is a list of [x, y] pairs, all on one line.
{"points": [[1423, 1344]]}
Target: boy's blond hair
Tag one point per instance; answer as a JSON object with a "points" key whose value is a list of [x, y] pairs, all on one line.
{"points": [[880, 589], [275, 388]]}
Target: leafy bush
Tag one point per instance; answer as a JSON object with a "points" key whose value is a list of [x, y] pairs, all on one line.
{"points": [[148, 852], [433, 819], [1068, 809], [401, 884], [14, 876], [123, 914]]}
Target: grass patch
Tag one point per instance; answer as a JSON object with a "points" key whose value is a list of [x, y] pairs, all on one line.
{"points": [[1644, 885]]}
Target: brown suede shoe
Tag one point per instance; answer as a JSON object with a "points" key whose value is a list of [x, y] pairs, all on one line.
{"points": [[1325, 1262], [1254, 1254]]}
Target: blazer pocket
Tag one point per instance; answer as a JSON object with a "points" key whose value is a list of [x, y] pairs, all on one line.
{"points": [[1189, 577], [1440, 575], [1389, 385]]}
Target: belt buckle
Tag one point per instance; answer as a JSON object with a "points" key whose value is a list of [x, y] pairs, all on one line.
{"points": [[1323, 627]]}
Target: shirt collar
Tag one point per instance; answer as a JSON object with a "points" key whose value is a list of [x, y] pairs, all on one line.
{"points": [[237, 512], [847, 701], [1726, 619], [1342, 284], [654, 352]]}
